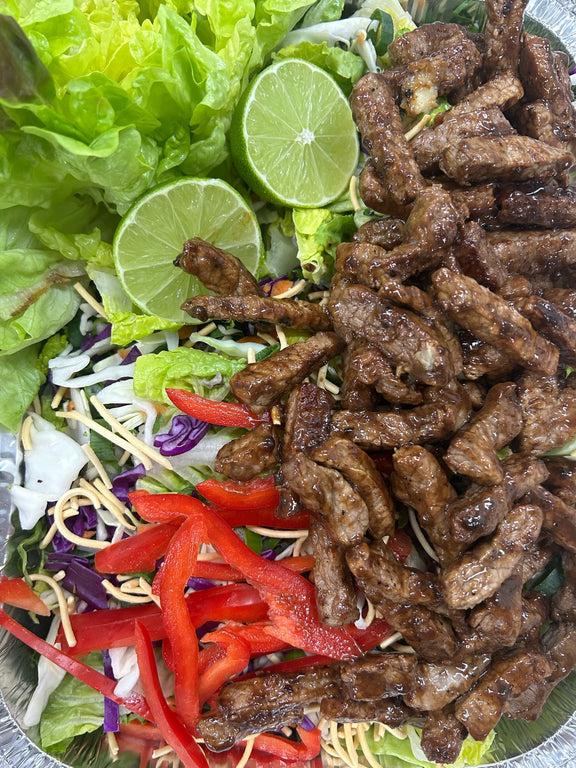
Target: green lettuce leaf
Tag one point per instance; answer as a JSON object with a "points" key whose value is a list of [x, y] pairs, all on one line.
{"points": [[345, 66], [21, 380], [205, 373], [318, 232]]}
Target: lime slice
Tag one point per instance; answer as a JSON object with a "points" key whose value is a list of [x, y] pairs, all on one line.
{"points": [[293, 138], [152, 233]]}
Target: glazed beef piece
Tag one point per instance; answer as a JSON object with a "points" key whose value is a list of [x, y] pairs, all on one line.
{"points": [[379, 676], [437, 685], [477, 259], [534, 252], [510, 158], [493, 320], [260, 385], [559, 518], [221, 733], [335, 593], [381, 577], [479, 572], [380, 196], [384, 232], [411, 342], [561, 478], [499, 617], [380, 126], [472, 451], [480, 509], [502, 35], [564, 600], [249, 455], [360, 471], [218, 270], [546, 207], [256, 309], [420, 482], [564, 299], [429, 145], [478, 199], [552, 323], [503, 90], [549, 409], [424, 40], [392, 712], [442, 737], [507, 677]]}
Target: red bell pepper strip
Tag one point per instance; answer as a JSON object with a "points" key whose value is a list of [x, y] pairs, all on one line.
{"points": [[134, 702], [264, 516], [113, 628], [215, 412], [401, 544], [256, 636], [170, 724], [234, 660], [251, 494], [16, 592], [215, 571], [306, 749], [136, 553], [178, 564]]}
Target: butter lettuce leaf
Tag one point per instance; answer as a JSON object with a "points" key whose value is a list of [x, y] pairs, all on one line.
{"points": [[21, 379]]}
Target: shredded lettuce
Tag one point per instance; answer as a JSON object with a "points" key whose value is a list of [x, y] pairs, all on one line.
{"points": [[318, 232]]}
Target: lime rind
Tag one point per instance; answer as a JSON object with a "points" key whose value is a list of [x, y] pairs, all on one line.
{"points": [[152, 233]]}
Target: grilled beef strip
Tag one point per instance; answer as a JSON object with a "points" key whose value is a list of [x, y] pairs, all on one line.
{"points": [[335, 593], [411, 342], [499, 617], [479, 572], [559, 518], [545, 207], [367, 371], [218, 270], [559, 645], [481, 359], [437, 685], [379, 123], [221, 733], [249, 455], [429, 145], [511, 158], [260, 385], [549, 409], [564, 600], [564, 298], [530, 253], [503, 90], [477, 259], [377, 194], [493, 320], [424, 40], [508, 676], [359, 470], [480, 509], [561, 479], [478, 199], [392, 712], [442, 736], [552, 323], [256, 309], [379, 676], [385, 232], [472, 451], [502, 35], [419, 481]]}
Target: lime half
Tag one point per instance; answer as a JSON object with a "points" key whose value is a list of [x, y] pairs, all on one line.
{"points": [[152, 233], [293, 138]]}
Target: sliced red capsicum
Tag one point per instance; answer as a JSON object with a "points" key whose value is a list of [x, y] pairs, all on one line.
{"points": [[172, 727], [235, 658], [306, 749], [251, 494], [136, 553], [215, 412], [181, 556], [16, 592], [134, 702]]}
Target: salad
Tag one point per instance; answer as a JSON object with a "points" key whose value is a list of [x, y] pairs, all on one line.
{"points": [[130, 528]]}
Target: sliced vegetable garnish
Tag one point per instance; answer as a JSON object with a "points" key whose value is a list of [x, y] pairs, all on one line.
{"points": [[215, 412]]}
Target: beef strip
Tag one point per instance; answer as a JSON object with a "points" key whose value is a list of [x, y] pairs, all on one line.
{"points": [[559, 644], [480, 509], [383, 430], [506, 678], [218, 270], [561, 478], [511, 158], [549, 413], [249, 455], [220, 733], [357, 394], [392, 712], [335, 593], [430, 144], [564, 298], [499, 618], [552, 323], [559, 517], [436, 685], [535, 612], [420, 482], [424, 40], [472, 451], [546, 207], [493, 320], [503, 90], [360, 471], [255, 309], [378, 676], [419, 83], [377, 194], [260, 385], [385, 232], [442, 737], [306, 424], [477, 259], [479, 572], [564, 600], [411, 342], [325, 492], [534, 253], [478, 199], [483, 359], [502, 35], [380, 126], [381, 577]]}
